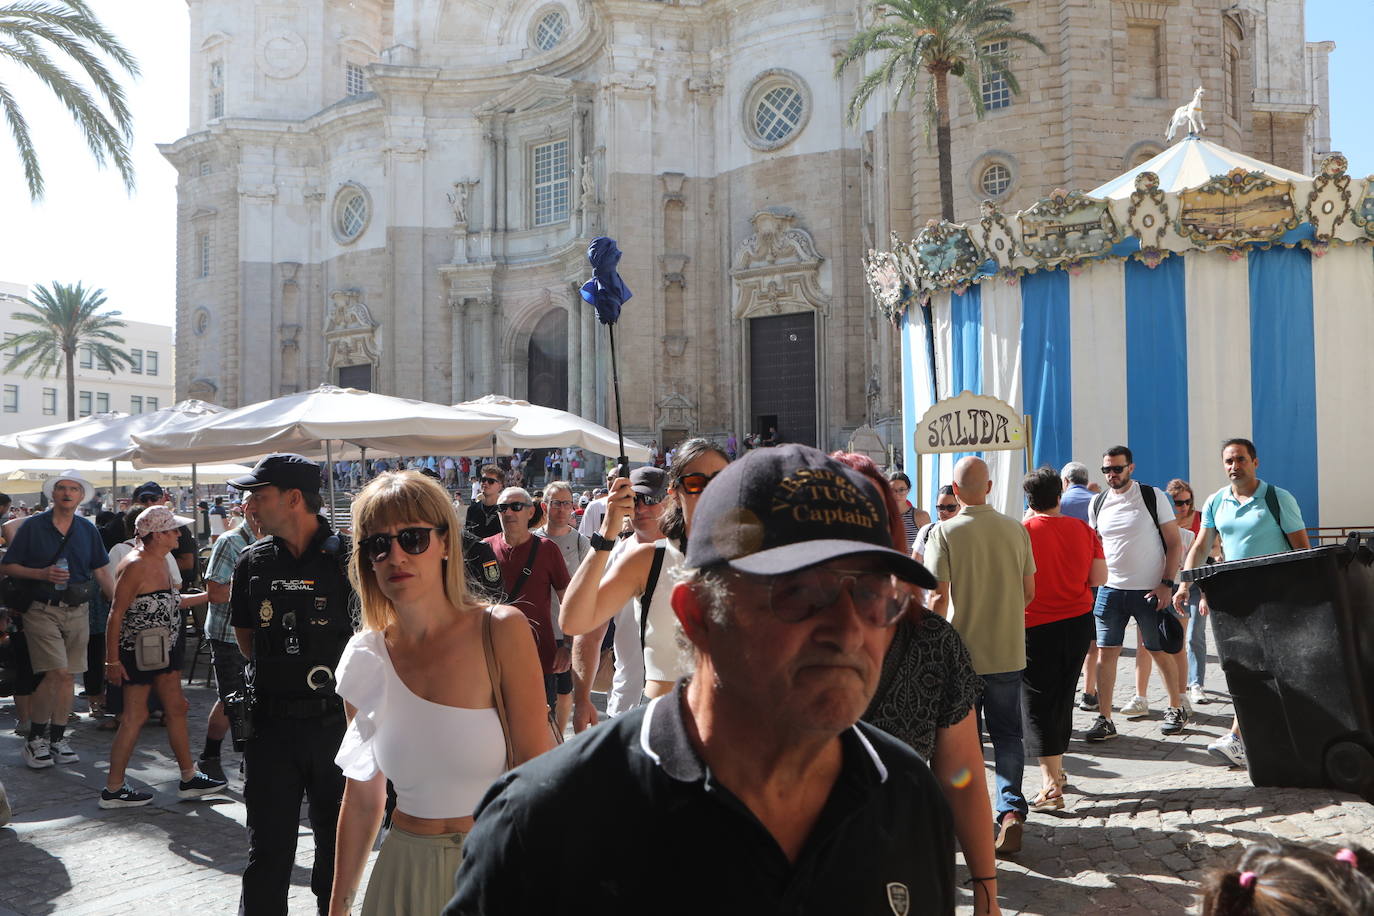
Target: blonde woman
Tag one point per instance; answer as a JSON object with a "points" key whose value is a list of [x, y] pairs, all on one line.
{"points": [[422, 709]]}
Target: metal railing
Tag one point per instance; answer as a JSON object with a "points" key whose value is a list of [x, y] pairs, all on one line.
{"points": [[1329, 537]]}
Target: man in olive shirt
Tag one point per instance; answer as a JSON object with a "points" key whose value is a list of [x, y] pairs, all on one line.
{"points": [[983, 565]]}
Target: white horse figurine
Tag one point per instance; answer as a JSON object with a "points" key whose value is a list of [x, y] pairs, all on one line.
{"points": [[1190, 114]]}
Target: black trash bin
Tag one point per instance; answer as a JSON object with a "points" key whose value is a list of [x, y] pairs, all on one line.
{"points": [[1295, 632]]}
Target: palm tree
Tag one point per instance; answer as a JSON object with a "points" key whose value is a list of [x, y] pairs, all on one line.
{"points": [[30, 31], [67, 319], [940, 39]]}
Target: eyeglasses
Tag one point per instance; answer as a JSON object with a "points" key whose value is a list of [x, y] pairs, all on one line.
{"points": [[377, 547], [487, 480], [875, 595], [560, 503], [512, 507], [642, 500], [1110, 469], [1183, 502], [692, 484], [948, 507]]}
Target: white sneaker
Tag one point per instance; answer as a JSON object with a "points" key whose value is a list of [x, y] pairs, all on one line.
{"points": [[62, 752], [1138, 708], [1198, 695], [37, 754], [1229, 748]]}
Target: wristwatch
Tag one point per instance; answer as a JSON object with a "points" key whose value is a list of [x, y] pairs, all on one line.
{"points": [[1169, 582], [600, 543]]}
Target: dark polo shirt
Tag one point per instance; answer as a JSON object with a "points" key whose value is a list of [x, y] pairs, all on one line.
{"points": [[655, 832]]}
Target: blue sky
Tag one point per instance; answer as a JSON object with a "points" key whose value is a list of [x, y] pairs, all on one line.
{"points": [[89, 229]]}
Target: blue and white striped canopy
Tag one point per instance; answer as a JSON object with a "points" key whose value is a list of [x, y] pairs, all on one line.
{"points": [[1189, 163]]}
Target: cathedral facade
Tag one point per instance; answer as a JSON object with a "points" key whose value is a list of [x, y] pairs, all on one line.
{"points": [[398, 194]]}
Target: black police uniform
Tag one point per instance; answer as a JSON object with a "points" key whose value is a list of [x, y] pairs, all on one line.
{"points": [[301, 611]]}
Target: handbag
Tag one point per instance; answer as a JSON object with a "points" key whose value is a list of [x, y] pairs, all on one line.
{"points": [[494, 673], [153, 649], [18, 594]]}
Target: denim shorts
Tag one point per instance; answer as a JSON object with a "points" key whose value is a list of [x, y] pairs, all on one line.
{"points": [[1115, 607]]}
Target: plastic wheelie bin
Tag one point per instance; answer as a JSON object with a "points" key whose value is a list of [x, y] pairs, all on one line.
{"points": [[1295, 632]]}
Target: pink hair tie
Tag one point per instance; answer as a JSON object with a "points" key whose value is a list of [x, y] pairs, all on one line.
{"points": [[1348, 857], [1247, 879]]}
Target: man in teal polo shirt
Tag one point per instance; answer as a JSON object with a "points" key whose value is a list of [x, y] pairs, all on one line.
{"points": [[1254, 519]]}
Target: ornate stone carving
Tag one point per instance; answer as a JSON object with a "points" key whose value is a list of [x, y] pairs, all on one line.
{"points": [[350, 333], [1328, 203], [777, 269], [282, 54], [203, 389], [673, 267], [290, 334], [676, 411], [672, 186], [458, 199]]}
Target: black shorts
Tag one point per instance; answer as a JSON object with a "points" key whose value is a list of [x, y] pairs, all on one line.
{"points": [[145, 678], [228, 663]]}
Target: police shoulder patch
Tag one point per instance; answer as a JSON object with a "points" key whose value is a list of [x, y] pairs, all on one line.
{"points": [[491, 571]]}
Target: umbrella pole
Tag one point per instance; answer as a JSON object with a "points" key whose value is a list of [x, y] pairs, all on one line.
{"points": [[329, 465], [619, 423], [195, 505], [114, 484], [362, 465]]}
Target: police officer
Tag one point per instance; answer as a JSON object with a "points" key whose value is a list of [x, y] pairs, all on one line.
{"points": [[293, 611]]}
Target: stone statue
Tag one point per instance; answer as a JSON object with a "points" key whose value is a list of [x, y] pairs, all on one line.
{"points": [[1189, 115], [458, 200], [588, 185]]}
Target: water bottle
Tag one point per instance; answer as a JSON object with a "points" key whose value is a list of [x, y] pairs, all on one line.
{"points": [[62, 565]]}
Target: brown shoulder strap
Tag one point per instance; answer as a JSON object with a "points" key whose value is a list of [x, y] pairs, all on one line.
{"points": [[494, 673]]}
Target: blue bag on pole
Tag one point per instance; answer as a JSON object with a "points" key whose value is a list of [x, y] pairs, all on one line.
{"points": [[605, 291]]}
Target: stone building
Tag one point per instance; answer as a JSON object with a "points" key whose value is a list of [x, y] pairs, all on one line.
{"points": [[398, 194]]}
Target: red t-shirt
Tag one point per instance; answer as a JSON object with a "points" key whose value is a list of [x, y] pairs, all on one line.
{"points": [[535, 598], [1064, 550]]}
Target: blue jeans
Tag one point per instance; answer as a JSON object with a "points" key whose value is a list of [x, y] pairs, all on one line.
{"points": [[1000, 709], [1197, 639]]}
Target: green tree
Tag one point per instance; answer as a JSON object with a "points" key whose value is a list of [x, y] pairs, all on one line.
{"points": [[66, 318], [31, 32], [937, 39]]}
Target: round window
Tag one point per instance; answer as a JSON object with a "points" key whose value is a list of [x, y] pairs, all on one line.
{"points": [[352, 211], [775, 109], [549, 31], [996, 179]]}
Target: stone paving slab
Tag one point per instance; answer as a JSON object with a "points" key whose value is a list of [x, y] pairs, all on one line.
{"points": [[1148, 817]]}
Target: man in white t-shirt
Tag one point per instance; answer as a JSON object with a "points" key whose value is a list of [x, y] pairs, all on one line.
{"points": [[1143, 551]]}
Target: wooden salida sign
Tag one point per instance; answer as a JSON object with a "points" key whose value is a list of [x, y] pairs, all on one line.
{"points": [[969, 422]]}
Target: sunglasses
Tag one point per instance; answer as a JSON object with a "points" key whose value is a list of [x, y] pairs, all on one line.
{"points": [[948, 507], [1110, 469], [377, 547], [487, 480], [642, 500], [875, 595], [1183, 502], [693, 484], [512, 507]]}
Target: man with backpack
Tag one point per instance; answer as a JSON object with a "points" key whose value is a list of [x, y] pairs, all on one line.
{"points": [[1254, 519], [1140, 538]]}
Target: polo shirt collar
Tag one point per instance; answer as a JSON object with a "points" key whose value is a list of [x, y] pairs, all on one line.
{"points": [[1229, 495], [663, 738]]}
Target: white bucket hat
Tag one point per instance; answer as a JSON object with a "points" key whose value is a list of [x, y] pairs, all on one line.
{"points": [[74, 477]]}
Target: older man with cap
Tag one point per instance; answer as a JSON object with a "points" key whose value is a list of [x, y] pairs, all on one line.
{"points": [[752, 787], [55, 556], [293, 611]]}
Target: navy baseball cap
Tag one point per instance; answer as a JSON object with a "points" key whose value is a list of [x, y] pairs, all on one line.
{"points": [[151, 490], [780, 510], [284, 470]]}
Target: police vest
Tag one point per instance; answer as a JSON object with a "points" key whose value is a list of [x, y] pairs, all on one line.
{"points": [[304, 616]]}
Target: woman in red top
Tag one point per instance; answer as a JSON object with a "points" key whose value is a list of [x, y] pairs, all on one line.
{"points": [[1059, 628]]}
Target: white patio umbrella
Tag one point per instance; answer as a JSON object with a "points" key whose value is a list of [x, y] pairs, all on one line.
{"points": [[328, 414], [108, 436], [100, 474], [548, 427]]}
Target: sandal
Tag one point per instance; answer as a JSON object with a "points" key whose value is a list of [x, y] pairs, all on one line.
{"points": [[1047, 802]]}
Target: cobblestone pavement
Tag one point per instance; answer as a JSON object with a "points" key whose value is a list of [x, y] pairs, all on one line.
{"points": [[1148, 815]]}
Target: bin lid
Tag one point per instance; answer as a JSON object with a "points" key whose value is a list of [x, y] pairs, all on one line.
{"points": [[1273, 559]]}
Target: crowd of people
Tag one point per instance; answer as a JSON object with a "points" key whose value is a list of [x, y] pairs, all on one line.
{"points": [[799, 666]]}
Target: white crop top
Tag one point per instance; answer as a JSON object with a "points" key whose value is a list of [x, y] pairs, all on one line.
{"points": [[441, 759], [663, 660]]}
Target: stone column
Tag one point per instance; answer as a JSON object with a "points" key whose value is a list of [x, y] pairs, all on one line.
{"points": [[490, 349], [575, 355], [587, 354], [458, 321]]}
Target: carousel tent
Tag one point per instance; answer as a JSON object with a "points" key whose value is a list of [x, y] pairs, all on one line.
{"points": [[1202, 296]]}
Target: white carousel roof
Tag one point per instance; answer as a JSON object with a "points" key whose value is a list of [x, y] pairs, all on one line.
{"points": [[1187, 164]]}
